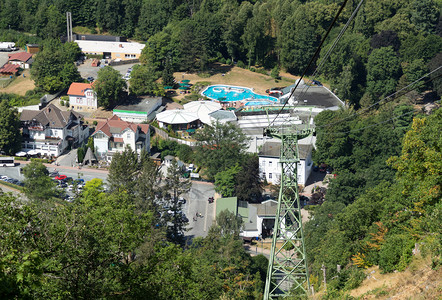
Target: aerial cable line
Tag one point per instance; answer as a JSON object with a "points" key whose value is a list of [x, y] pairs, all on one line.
{"points": [[373, 125], [312, 59], [335, 43], [389, 96]]}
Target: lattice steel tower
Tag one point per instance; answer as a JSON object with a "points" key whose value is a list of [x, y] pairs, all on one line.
{"points": [[287, 269]]}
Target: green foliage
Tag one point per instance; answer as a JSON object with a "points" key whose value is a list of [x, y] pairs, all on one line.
{"points": [[275, 73], [39, 186], [395, 254], [10, 135], [143, 82], [225, 181], [248, 180], [229, 223], [53, 68], [109, 87], [219, 147]]}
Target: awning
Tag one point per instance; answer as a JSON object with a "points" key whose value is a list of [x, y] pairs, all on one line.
{"points": [[32, 152], [21, 153], [185, 81]]}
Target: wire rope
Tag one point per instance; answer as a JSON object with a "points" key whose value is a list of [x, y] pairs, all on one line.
{"points": [[312, 59], [389, 96]]}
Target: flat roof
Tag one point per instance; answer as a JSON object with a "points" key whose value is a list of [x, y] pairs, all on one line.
{"points": [[273, 149], [112, 47], [143, 105], [318, 96]]}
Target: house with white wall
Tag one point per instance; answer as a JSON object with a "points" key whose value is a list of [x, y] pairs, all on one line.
{"points": [[270, 167], [82, 96], [50, 131], [22, 59], [114, 135]]}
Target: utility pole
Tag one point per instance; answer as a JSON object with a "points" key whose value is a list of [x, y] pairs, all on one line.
{"points": [[69, 35], [324, 275], [287, 270]]}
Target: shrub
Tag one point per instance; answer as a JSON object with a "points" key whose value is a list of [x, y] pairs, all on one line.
{"points": [[275, 73], [395, 253], [240, 64], [252, 69], [222, 60], [42, 160], [61, 102], [64, 98], [261, 71], [95, 123], [228, 62]]}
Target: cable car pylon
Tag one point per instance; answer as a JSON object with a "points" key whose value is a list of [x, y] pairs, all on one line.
{"points": [[287, 271]]}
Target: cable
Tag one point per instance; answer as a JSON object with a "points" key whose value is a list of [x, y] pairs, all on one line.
{"points": [[373, 125], [311, 59], [338, 38], [389, 96]]}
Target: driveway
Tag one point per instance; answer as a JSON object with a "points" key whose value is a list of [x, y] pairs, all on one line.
{"points": [[86, 70], [197, 203]]}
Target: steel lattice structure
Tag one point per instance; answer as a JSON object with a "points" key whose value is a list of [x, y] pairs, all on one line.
{"points": [[287, 269]]}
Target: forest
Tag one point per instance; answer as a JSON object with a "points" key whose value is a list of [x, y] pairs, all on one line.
{"points": [[388, 45], [385, 152]]}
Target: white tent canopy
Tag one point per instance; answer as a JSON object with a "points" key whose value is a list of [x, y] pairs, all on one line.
{"points": [[176, 116], [202, 109]]}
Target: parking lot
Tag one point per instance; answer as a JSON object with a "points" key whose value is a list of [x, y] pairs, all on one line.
{"points": [[86, 70]]}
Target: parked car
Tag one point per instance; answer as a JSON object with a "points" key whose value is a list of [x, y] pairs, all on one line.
{"points": [[90, 79], [211, 199], [61, 177], [53, 174]]}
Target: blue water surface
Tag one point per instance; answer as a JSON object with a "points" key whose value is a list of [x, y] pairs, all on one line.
{"points": [[236, 93]]}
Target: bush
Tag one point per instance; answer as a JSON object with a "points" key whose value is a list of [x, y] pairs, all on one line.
{"points": [[252, 69], [42, 160], [395, 253], [222, 60], [240, 64], [275, 73], [228, 62], [64, 98], [61, 102], [261, 71], [95, 123]]}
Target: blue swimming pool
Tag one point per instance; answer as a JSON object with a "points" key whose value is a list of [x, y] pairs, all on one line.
{"points": [[235, 93]]}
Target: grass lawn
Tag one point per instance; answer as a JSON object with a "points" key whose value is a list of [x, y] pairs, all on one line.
{"points": [[238, 77], [20, 85]]}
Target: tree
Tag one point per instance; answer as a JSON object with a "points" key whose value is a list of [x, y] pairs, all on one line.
{"points": [[167, 78], [143, 82], [248, 181], [225, 181], [38, 185], [424, 15], [69, 74], [219, 147], [229, 223], [10, 136], [123, 170], [109, 87], [174, 187], [383, 71]]}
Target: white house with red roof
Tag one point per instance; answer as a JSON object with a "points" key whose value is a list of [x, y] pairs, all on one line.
{"points": [[23, 59], [114, 135], [82, 96]]}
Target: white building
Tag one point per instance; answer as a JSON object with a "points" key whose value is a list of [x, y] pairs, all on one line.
{"points": [[114, 135], [22, 59], [111, 50], [270, 167], [142, 111], [50, 131], [82, 96]]}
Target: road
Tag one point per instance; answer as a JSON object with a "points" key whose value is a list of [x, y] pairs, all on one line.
{"points": [[196, 199], [197, 203]]}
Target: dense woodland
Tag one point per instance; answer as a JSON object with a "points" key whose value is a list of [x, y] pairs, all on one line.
{"points": [[387, 157]]}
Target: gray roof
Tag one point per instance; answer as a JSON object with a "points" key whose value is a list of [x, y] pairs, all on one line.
{"points": [[143, 105], [266, 208], [89, 157], [251, 222], [223, 115], [315, 95], [50, 116], [273, 149]]}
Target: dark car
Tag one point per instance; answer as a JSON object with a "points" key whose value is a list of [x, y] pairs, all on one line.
{"points": [[54, 174], [90, 79], [211, 199]]}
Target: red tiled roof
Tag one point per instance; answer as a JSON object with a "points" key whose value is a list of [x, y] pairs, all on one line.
{"points": [[20, 56], [9, 69], [78, 88], [115, 122], [118, 140]]}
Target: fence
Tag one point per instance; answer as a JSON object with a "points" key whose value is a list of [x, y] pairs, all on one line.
{"points": [[124, 62], [5, 82], [166, 136]]}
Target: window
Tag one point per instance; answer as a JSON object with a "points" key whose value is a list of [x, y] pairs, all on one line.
{"points": [[270, 175], [270, 163]]}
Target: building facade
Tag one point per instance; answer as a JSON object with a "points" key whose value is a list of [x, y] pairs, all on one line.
{"points": [[270, 167], [50, 131], [82, 96], [22, 59], [114, 135]]}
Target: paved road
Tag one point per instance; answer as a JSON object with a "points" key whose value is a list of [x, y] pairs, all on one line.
{"points": [[86, 70], [197, 202]]}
